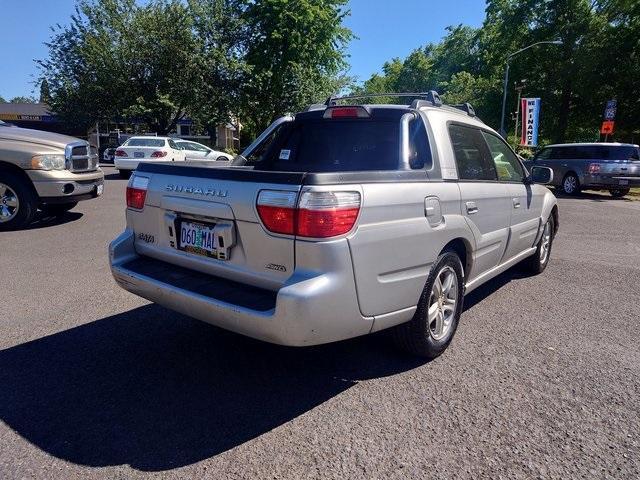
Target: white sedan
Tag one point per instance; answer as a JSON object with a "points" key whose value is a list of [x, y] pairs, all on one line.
{"points": [[200, 151], [146, 149]]}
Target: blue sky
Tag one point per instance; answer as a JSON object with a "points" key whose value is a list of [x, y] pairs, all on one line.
{"points": [[385, 29]]}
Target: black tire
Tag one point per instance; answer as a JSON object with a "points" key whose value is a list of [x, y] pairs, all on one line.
{"points": [[124, 173], [57, 209], [417, 336], [537, 263], [619, 192], [570, 184], [27, 201], [222, 158]]}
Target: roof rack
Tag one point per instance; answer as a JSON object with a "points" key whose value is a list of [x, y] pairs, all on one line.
{"points": [[422, 99], [431, 96]]}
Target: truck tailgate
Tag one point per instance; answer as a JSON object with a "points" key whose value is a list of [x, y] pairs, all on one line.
{"points": [[185, 201]]}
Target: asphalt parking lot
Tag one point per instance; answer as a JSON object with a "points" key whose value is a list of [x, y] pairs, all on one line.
{"points": [[542, 379]]}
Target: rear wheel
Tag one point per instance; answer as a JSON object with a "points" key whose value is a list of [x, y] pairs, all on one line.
{"points": [[57, 209], [18, 202], [571, 184], [538, 262], [619, 192], [435, 322], [124, 173]]}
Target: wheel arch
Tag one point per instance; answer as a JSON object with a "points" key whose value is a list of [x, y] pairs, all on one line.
{"points": [[6, 167], [463, 248]]}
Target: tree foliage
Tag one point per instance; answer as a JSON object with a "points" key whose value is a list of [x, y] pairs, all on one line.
{"points": [[600, 49], [214, 60]]}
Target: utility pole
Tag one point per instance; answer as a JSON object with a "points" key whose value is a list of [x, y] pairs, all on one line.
{"points": [[518, 87]]}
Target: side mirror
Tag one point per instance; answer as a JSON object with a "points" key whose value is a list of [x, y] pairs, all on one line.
{"points": [[541, 175]]}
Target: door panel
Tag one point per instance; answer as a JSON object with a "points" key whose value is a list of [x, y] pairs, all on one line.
{"points": [[489, 223], [526, 205]]}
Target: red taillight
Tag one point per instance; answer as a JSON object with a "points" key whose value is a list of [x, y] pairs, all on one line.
{"points": [[318, 214], [121, 153], [594, 168], [277, 210], [346, 112], [137, 192], [327, 214], [158, 154]]}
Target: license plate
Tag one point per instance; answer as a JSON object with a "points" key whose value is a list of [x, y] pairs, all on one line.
{"points": [[99, 189], [624, 182], [138, 154], [197, 238]]}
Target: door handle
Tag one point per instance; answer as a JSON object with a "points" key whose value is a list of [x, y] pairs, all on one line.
{"points": [[471, 207], [516, 203]]}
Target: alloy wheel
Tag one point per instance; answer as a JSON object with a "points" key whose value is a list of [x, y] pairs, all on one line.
{"points": [[442, 303], [545, 244], [9, 203]]}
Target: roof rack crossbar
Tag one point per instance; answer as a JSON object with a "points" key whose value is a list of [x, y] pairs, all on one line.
{"points": [[466, 107], [431, 96]]}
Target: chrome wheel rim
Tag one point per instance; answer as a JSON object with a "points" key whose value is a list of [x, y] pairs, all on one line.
{"points": [[442, 303], [545, 244], [570, 184], [9, 203]]}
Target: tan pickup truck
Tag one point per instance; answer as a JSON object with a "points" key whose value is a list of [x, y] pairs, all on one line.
{"points": [[46, 171]]}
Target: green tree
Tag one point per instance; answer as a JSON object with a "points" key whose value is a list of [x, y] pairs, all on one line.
{"points": [[21, 99], [221, 34], [118, 58], [45, 93], [295, 53]]}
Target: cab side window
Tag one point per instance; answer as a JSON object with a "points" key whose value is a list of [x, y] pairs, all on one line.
{"points": [[469, 151], [173, 145], [507, 164]]}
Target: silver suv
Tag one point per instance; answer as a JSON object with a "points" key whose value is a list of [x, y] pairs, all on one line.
{"points": [[594, 166], [338, 222]]}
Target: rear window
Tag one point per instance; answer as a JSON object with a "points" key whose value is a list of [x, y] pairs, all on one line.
{"points": [[144, 142], [319, 145]]}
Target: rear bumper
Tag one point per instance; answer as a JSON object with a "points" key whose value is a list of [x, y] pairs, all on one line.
{"points": [[65, 187], [308, 310], [602, 181], [125, 164]]}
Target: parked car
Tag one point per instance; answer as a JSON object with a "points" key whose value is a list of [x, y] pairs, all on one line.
{"points": [[108, 155], [338, 222], [595, 166], [199, 151], [46, 171], [146, 149]]}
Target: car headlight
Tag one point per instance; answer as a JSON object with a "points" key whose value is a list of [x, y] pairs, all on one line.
{"points": [[48, 162]]}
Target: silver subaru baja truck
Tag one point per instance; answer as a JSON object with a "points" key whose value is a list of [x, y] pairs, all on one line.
{"points": [[342, 220]]}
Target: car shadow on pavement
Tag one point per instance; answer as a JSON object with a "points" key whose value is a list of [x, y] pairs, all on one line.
{"points": [[113, 176], [45, 221], [157, 390]]}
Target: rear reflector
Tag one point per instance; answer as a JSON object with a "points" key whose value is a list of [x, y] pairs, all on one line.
{"points": [[346, 112], [317, 215], [594, 168], [137, 192], [121, 153], [158, 154]]}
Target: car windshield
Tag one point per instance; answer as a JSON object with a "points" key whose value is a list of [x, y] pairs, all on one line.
{"points": [[144, 142]]}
